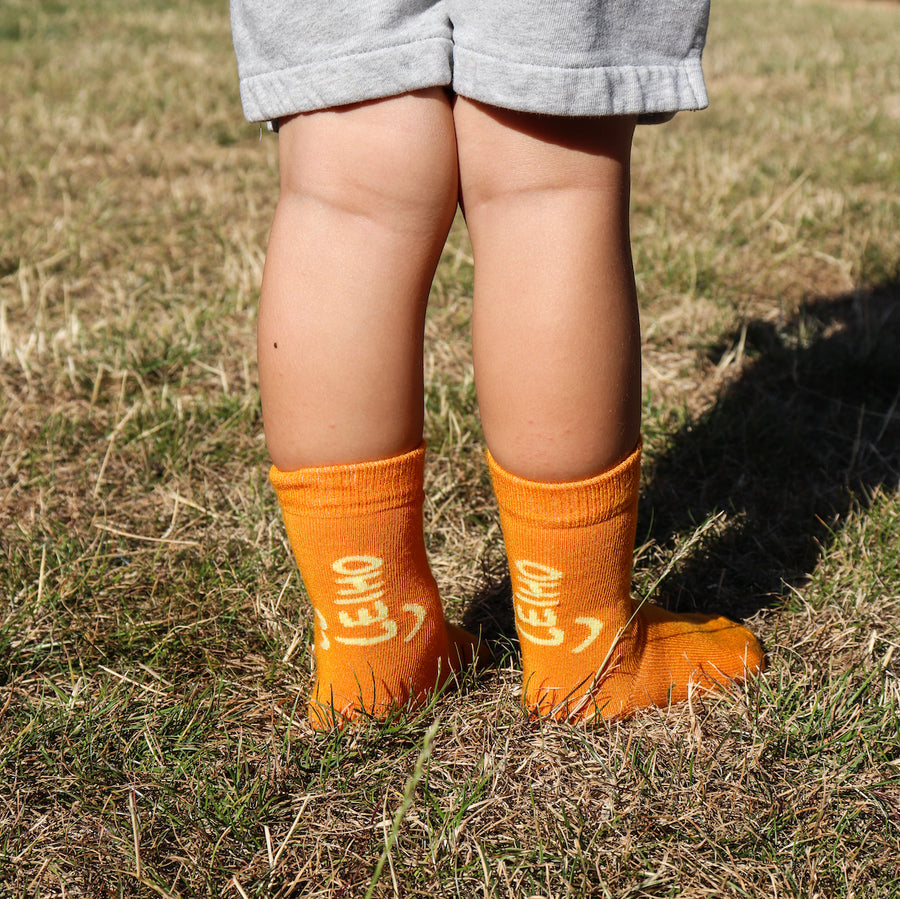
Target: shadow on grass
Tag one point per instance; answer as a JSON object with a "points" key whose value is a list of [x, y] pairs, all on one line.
{"points": [[809, 431]]}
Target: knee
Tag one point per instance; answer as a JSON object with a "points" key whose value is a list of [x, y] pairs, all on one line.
{"points": [[507, 156], [391, 161]]}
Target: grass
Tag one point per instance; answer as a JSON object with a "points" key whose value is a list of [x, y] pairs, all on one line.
{"points": [[154, 639]]}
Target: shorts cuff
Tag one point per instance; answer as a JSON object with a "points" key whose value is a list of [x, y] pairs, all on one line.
{"points": [[380, 73], [652, 92]]}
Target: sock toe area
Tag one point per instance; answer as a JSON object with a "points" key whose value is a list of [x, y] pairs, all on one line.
{"points": [[691, 649], [466, 650], [693, 635], [378, 697]]}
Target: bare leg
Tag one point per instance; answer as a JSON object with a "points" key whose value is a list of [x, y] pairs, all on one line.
{"points": [[556, 334], [368, 193]]}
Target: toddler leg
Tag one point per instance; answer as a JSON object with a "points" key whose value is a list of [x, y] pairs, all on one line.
{"points": [[368, 193], [557, 357], [556, 334]]}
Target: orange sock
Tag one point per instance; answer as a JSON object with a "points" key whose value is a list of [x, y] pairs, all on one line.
{"points": [[586, 649], [381, 640]]}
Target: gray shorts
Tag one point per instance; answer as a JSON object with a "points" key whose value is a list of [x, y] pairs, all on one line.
{"points": [[559, 57]]}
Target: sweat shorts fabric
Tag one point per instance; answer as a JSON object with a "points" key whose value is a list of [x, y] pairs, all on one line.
{"points": [[558, 57]]}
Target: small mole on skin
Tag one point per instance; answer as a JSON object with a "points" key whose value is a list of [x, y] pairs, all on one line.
{"points": [[275, 345]]}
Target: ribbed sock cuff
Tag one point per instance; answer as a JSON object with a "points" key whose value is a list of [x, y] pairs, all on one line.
{"points": [[572, 503], [350, 490]]}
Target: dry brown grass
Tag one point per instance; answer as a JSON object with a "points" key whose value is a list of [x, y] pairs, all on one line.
{"points": [[153, 637]]}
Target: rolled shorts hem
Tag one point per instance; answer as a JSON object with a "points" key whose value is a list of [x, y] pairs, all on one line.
{"points": [[654, 93], [385, 72]]}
